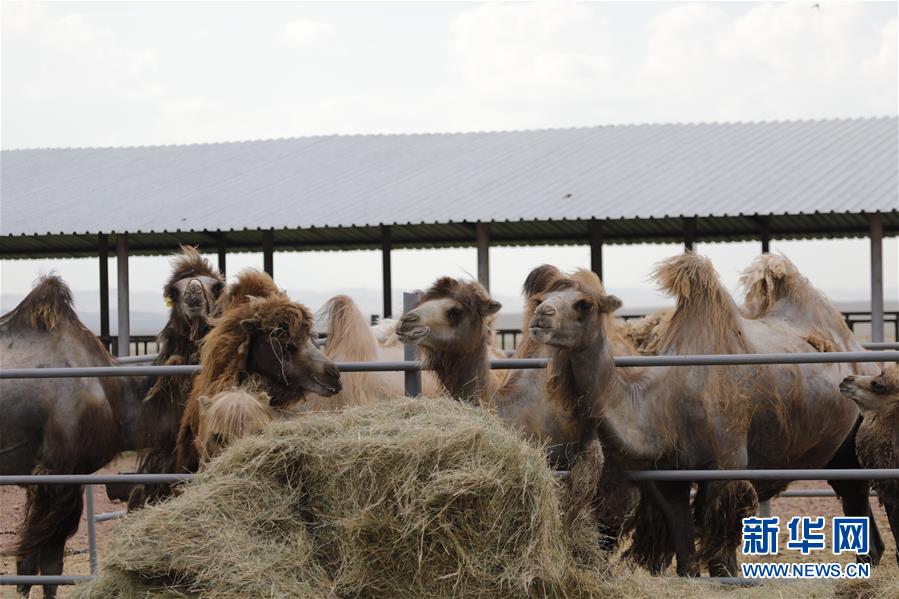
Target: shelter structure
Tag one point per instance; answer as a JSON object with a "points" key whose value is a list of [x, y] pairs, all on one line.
{"points": [[594, 186]]}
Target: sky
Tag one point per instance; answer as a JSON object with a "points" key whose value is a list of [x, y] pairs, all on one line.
{"points": [[116, 74]]}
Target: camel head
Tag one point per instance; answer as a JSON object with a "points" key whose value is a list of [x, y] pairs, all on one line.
{"points": [[571, 312], [228, 417], [873, 392], [192, 291], [281, 351], [270, 341], [452, 315]]}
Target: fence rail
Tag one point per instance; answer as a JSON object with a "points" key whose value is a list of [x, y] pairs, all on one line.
{"points": [[520, 363], [412, 368]]}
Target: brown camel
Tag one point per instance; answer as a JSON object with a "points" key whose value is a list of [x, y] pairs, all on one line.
{"points": [[58, 426], [191, 292], [228, 417], [707, 417], [260, 345], [452, 325], [877, 440]]}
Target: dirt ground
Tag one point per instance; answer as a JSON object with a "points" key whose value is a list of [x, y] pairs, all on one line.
{"points": [[77, 563]]}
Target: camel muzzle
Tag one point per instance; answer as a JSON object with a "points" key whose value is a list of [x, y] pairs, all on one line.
{"points": [[409, 331]]}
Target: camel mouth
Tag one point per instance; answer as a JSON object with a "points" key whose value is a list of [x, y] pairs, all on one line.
{"points": [[413, 335], [541, 334], [326, 390]]}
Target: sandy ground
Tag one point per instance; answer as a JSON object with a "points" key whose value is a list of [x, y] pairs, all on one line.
{"points": [[628, 584]]}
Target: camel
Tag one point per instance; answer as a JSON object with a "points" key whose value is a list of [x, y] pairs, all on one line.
{"points": [[228, 417], [58, 426], [264, 345], [707, 417], [250, 283], [191, 291], [349, 338], [877, 440], [452, 325]]}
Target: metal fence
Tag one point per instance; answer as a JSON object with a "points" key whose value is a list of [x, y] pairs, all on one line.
{"points": [[412, 367], [507, 339]]}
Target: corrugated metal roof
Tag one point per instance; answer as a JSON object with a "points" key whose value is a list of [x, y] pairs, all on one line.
{"points": [[334, 191]]}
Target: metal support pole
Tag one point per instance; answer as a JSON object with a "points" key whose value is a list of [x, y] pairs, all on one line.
{"points": [[124, 333], [875, 222], [482, 233], [386, 278], [596, 247], [765, 509], [91, 527], [103, 241], [765, 235], [413, 377], [689, 233], [268, 252], [222, 254]]}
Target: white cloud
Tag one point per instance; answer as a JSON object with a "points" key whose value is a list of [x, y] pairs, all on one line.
{"points": [[577, 65], [303, 32]]}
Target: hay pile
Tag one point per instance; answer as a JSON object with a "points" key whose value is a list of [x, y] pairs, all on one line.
{"points": [[408, 498]]}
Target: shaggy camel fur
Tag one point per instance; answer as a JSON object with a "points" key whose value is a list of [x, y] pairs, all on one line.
{"points": [[250, 283], [351, 339], [877, 440], [708, 417], [266, 344], [58, 426], [228, 417], [191, 292]]}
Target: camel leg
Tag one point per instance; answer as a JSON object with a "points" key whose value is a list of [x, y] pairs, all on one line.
{"points": [[612, 504], [892, 510], [651, 543], [52, 515], [720, 509], [26, 566], [853, 495], [673, 498]]}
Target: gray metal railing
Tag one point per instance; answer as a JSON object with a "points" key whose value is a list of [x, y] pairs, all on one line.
{"points": [[413, 368]]}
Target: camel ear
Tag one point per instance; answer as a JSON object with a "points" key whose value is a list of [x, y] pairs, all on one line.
{"points": [[609, 303], [491, 307], [205, 402], [251, 325]]}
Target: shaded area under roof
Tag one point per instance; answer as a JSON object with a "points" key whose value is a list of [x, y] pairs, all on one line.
{"points": [[644, 183]]}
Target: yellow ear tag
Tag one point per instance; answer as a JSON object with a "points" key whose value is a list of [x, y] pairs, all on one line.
{"points": [[168, 302]]}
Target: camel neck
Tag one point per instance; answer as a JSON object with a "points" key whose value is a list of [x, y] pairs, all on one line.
{"points": [[617, 399], [463, 372], [127, 403]]}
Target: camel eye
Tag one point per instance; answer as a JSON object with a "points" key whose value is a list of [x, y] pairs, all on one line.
{"points": [[878, 387], [217, 289], [454, 314], [583, 306]]}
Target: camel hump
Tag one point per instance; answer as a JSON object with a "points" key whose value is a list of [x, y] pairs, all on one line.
{"points": [[47, 305], [773, 278], [688, 277], [349, 335], [249, 283], [706, 318], [539, 279]]}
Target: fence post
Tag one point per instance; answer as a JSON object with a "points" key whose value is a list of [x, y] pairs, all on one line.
{"points": [[412, 377], [91, 528], [765, 509]]}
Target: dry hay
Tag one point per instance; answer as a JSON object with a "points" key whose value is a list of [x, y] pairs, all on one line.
{"points": [[405, 499]]}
